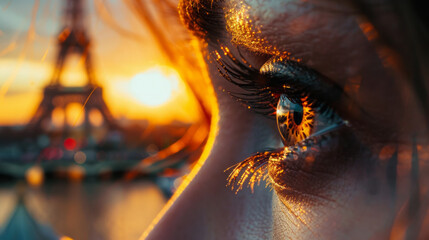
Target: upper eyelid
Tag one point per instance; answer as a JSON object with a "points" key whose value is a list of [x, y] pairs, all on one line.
{"points": [[249, 79], [327, 90], [296, 75]]}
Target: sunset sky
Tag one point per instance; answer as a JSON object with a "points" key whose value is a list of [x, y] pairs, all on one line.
{"points": [[119, 55]]}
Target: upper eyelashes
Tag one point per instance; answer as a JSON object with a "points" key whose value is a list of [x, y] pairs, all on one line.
{"points": [[279, 75], [257, 95]]}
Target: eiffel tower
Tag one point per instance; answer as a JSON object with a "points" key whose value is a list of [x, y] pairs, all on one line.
{"points": [[73, 39]]}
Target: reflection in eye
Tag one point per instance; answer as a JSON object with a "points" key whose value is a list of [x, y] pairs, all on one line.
{"points": [[294, 120], [300, 121]]}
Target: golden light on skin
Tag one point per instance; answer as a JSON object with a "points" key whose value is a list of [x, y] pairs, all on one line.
{"points": [[247, 31], [155, 86], [239, 23], [243, 29]]}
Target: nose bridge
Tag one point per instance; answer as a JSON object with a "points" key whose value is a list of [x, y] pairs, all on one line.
{"points": [[207, 209]]}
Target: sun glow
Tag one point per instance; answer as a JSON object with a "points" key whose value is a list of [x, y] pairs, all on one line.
{"points": [[154, 87]]}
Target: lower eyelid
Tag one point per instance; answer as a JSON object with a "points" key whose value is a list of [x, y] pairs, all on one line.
{"points": [[308, 178], [331, 161], [295, 195], [300, 184]]}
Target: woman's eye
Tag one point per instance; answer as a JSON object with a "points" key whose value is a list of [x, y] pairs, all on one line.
{"points": [[305, 106]]}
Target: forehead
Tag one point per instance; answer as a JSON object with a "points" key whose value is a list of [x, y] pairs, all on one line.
{"points": [[277, 27], [326, 35]]}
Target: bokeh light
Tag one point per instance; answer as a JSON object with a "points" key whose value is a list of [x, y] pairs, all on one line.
{"points": [[34, 175]]}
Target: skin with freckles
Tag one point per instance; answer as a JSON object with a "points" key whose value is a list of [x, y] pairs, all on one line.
{"points": [[364, 180]]}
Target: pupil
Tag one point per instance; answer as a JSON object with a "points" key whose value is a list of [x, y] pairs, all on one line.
{"points": [[297, 112], [297, 117]]}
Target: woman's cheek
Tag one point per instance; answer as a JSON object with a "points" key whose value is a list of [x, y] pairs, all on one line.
{"points": [[360, 206]]}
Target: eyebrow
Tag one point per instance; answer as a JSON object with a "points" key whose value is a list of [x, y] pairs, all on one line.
{"points": [[207, 20], [204, 18]]}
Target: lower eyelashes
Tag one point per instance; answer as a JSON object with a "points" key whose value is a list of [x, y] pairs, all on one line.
{"points": [[298, 173]]}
